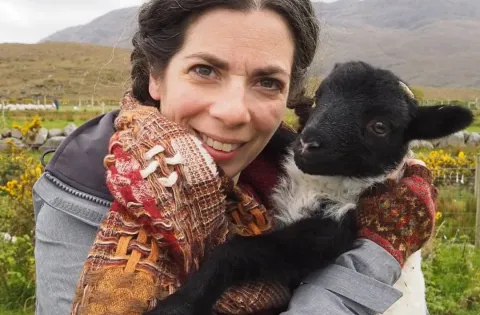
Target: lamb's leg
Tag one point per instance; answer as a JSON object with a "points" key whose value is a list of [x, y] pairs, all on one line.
{"points": [[283, 256], [412, 285]]}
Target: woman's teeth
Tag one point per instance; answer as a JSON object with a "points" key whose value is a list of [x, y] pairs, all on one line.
{"points": [[225, 147]]}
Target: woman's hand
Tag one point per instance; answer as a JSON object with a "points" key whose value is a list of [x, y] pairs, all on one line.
{"points": [[397, 173], [411, 162], [400, 217]]}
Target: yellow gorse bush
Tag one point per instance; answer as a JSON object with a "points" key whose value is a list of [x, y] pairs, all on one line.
{"points": [[442, 163], [19, 171], [31, 128]]}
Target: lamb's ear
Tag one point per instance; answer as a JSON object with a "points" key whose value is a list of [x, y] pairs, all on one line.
{"points": [[432, 122]]}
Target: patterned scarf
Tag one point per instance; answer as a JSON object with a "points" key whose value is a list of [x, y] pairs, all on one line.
{"points": [[171, 207]]}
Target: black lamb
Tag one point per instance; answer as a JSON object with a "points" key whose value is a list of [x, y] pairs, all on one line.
{"points": [[356, 134]]}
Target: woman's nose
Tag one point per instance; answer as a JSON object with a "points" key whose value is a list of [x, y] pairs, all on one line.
{"points": [[232, 109]]}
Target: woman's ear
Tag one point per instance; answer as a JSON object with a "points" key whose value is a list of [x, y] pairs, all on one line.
{"points": [[154, 88]]}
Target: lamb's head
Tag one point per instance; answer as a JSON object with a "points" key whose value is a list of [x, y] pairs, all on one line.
{"points": [[363, 121]]}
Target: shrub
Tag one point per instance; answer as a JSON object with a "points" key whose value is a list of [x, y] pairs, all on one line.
{"points": [[17, 272], [448, 167], [30, 129], [452, 277], [18, 173]]}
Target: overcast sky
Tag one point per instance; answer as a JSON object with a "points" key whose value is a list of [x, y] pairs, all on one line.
{"points": [[28, 21]]}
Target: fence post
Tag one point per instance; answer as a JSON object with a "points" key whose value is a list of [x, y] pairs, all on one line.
{"points": [[4, 123], [477, 196]]}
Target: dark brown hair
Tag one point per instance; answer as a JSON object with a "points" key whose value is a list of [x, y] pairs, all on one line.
{"points": [[162, 25]]}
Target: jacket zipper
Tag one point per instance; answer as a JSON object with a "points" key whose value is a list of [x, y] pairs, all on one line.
{"points": [[77, 193]]}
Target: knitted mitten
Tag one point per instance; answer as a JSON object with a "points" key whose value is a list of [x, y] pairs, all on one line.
{"points": [[399, 217], [169, 211]]}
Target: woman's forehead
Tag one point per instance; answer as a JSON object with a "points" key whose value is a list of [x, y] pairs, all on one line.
{"points": [[242, 39]]}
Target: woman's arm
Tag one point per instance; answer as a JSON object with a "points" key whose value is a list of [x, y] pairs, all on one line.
{"points": [[65, 229], [360, 282]]}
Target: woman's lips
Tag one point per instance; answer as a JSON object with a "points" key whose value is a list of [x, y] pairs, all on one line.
{"points": [[220, 151]]}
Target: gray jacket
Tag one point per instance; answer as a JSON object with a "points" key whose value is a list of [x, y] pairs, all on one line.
{"points": [[71, 198]]}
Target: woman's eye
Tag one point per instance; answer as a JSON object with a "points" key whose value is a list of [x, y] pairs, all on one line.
{"points": [[271, 84], [204, 71]]}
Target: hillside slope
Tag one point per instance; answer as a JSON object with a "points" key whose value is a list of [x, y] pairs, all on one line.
{"points": [[427, 42], [63, 70]]}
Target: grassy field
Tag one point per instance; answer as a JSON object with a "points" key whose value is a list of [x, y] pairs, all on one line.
{"points": [[74, 71], [55, 119], [66, 114], [63, 70], [450, 93], [7, 312], [475, 127], [451, 264]]}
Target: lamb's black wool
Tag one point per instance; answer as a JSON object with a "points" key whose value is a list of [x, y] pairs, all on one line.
{"points": [[364, 120], [359, 128]]}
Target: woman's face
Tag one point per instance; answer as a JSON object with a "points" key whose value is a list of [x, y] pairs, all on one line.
{"points": [[229, 83]]}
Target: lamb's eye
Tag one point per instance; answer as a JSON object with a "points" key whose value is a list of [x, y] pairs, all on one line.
{"points": [[378, 127]]}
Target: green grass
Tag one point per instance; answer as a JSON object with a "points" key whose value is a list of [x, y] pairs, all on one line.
{"points": [[475, 127], [68, 71], [60, 124], [49, 124], [54, 119], [3, 311], [452, 274]]}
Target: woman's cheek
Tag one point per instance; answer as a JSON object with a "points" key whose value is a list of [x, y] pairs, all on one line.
{"points": [[269, 115], [186, 105]]}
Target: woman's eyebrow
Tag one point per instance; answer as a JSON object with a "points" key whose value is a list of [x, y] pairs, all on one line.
{"points": [[270, 70], [211, 59], [223, 65]]}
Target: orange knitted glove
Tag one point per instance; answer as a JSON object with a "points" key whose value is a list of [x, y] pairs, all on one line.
{"points": [[399, 217]]}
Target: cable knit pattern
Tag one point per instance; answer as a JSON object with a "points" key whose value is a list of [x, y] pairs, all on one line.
{"points": [[170, 209], [399, 217]]}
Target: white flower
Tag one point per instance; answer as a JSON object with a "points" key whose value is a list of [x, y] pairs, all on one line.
{"points": [[6, 237]]}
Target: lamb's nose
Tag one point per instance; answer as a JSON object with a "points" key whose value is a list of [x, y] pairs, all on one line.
{"points": [[304, 147]]}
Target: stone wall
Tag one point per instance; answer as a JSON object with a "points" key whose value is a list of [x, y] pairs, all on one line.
{"points": [[44, 140], [459, 140], [51, 139]]}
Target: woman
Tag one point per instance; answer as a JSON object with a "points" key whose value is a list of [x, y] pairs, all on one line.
{"points": [[225, 70]]}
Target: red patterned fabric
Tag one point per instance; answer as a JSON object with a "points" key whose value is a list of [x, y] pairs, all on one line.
{"points": [[170, 208], [400, 217]]}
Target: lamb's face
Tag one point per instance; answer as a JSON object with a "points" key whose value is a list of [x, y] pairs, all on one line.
{"points": [[363, 121], [357, 128]]}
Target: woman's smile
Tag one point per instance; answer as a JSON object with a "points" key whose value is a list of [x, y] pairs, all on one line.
{"points": [[221, 149]]}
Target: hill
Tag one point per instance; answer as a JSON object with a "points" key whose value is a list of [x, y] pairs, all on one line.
{"points": [[63, 70], [113, 28], [428, 42], [440, 54], [76, 71], [397, 14]]}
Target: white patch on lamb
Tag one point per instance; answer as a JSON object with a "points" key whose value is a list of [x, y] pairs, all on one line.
{"points": [[298, 194]]}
